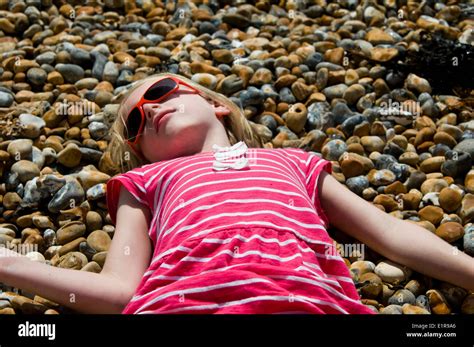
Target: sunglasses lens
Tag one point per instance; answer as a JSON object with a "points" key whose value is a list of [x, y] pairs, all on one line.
{"points": [[134, 121], [160, 89]]}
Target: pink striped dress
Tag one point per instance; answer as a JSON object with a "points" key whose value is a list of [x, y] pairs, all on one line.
{"points": [[237, 230]]}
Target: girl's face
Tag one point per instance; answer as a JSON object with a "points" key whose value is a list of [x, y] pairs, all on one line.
{"points": [[182, 124]]}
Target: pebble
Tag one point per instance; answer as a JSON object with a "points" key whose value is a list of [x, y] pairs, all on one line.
{"points": [[450, 199], [6, 99], [296, 117], [450, 231], [423, 302], [412, 309], [336, 91], [381, 177], [453, 294], [361, 267], [465, 146], [456, 163], [99, 240], [96, 192], [433, 214], [392, 309], [437, 302], [469, 182], [89, 176], [433, 185], [468, 239], [70, 72], [467, 208], [415, 287], [21, 149], [92, 266], [372, 285], [468, 304], [73, 260], [334, 149], [402, 297], [392, 272], [372, 143], [353, 93], [70, 232], [70, 156], [36, 76], [418, 84], [36, 256], [69, 195], [25, 170], [46, 58], [432, 164]]}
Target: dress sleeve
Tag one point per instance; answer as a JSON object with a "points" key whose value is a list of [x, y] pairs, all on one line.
{"points": [[315, 165], [133, 182]]}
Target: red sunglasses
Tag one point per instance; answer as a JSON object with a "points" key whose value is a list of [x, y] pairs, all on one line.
{"points": [[135, 121]]}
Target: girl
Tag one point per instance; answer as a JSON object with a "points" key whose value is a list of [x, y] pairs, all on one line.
{"points": [[209, 221]]}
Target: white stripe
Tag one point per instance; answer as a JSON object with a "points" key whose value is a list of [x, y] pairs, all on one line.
{"points": [[244, 239], [199, 290], [138, 198], [305, 197], [298, 298], [250, 189], [327, 276], [260, 223], [128, 179], [171, 250], [165, 165], [315, 283], [239, 215], [177, 190], [313, 169], [242, 255], [284, 156], [255, 236], [339, 278], [189, 276], [298, 269], [179, 278], [137, 184]]}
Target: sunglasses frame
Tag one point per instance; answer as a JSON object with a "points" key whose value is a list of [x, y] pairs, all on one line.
{"points": [[143, 101]]}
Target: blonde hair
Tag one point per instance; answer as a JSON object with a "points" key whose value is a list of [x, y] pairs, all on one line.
{"points": [[237, 126]]}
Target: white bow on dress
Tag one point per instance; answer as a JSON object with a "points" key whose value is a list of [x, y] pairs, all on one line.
{"points": [[230, 157]]}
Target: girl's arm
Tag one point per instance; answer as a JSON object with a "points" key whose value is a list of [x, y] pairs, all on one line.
{"points": [[87, 292], [398, 240]]}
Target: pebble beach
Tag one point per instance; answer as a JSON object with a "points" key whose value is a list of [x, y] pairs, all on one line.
{"points": [[346, 79]]}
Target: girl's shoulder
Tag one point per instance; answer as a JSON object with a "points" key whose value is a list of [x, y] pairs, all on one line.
{"points": [[301, 155]]}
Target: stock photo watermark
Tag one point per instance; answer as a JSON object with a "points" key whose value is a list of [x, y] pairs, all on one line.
{"points": [[346, 250]]}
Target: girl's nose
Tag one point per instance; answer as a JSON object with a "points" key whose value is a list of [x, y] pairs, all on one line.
{"points": [[150, 110]]}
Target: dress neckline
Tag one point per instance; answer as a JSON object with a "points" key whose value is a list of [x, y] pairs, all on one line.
{"points": [[230, 157], [217, 149]]}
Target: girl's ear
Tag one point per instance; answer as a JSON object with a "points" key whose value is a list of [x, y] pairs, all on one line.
{"points": [[221, 110]]}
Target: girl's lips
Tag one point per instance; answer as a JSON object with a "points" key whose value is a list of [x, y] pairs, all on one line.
{"points": [[157, 120]]}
